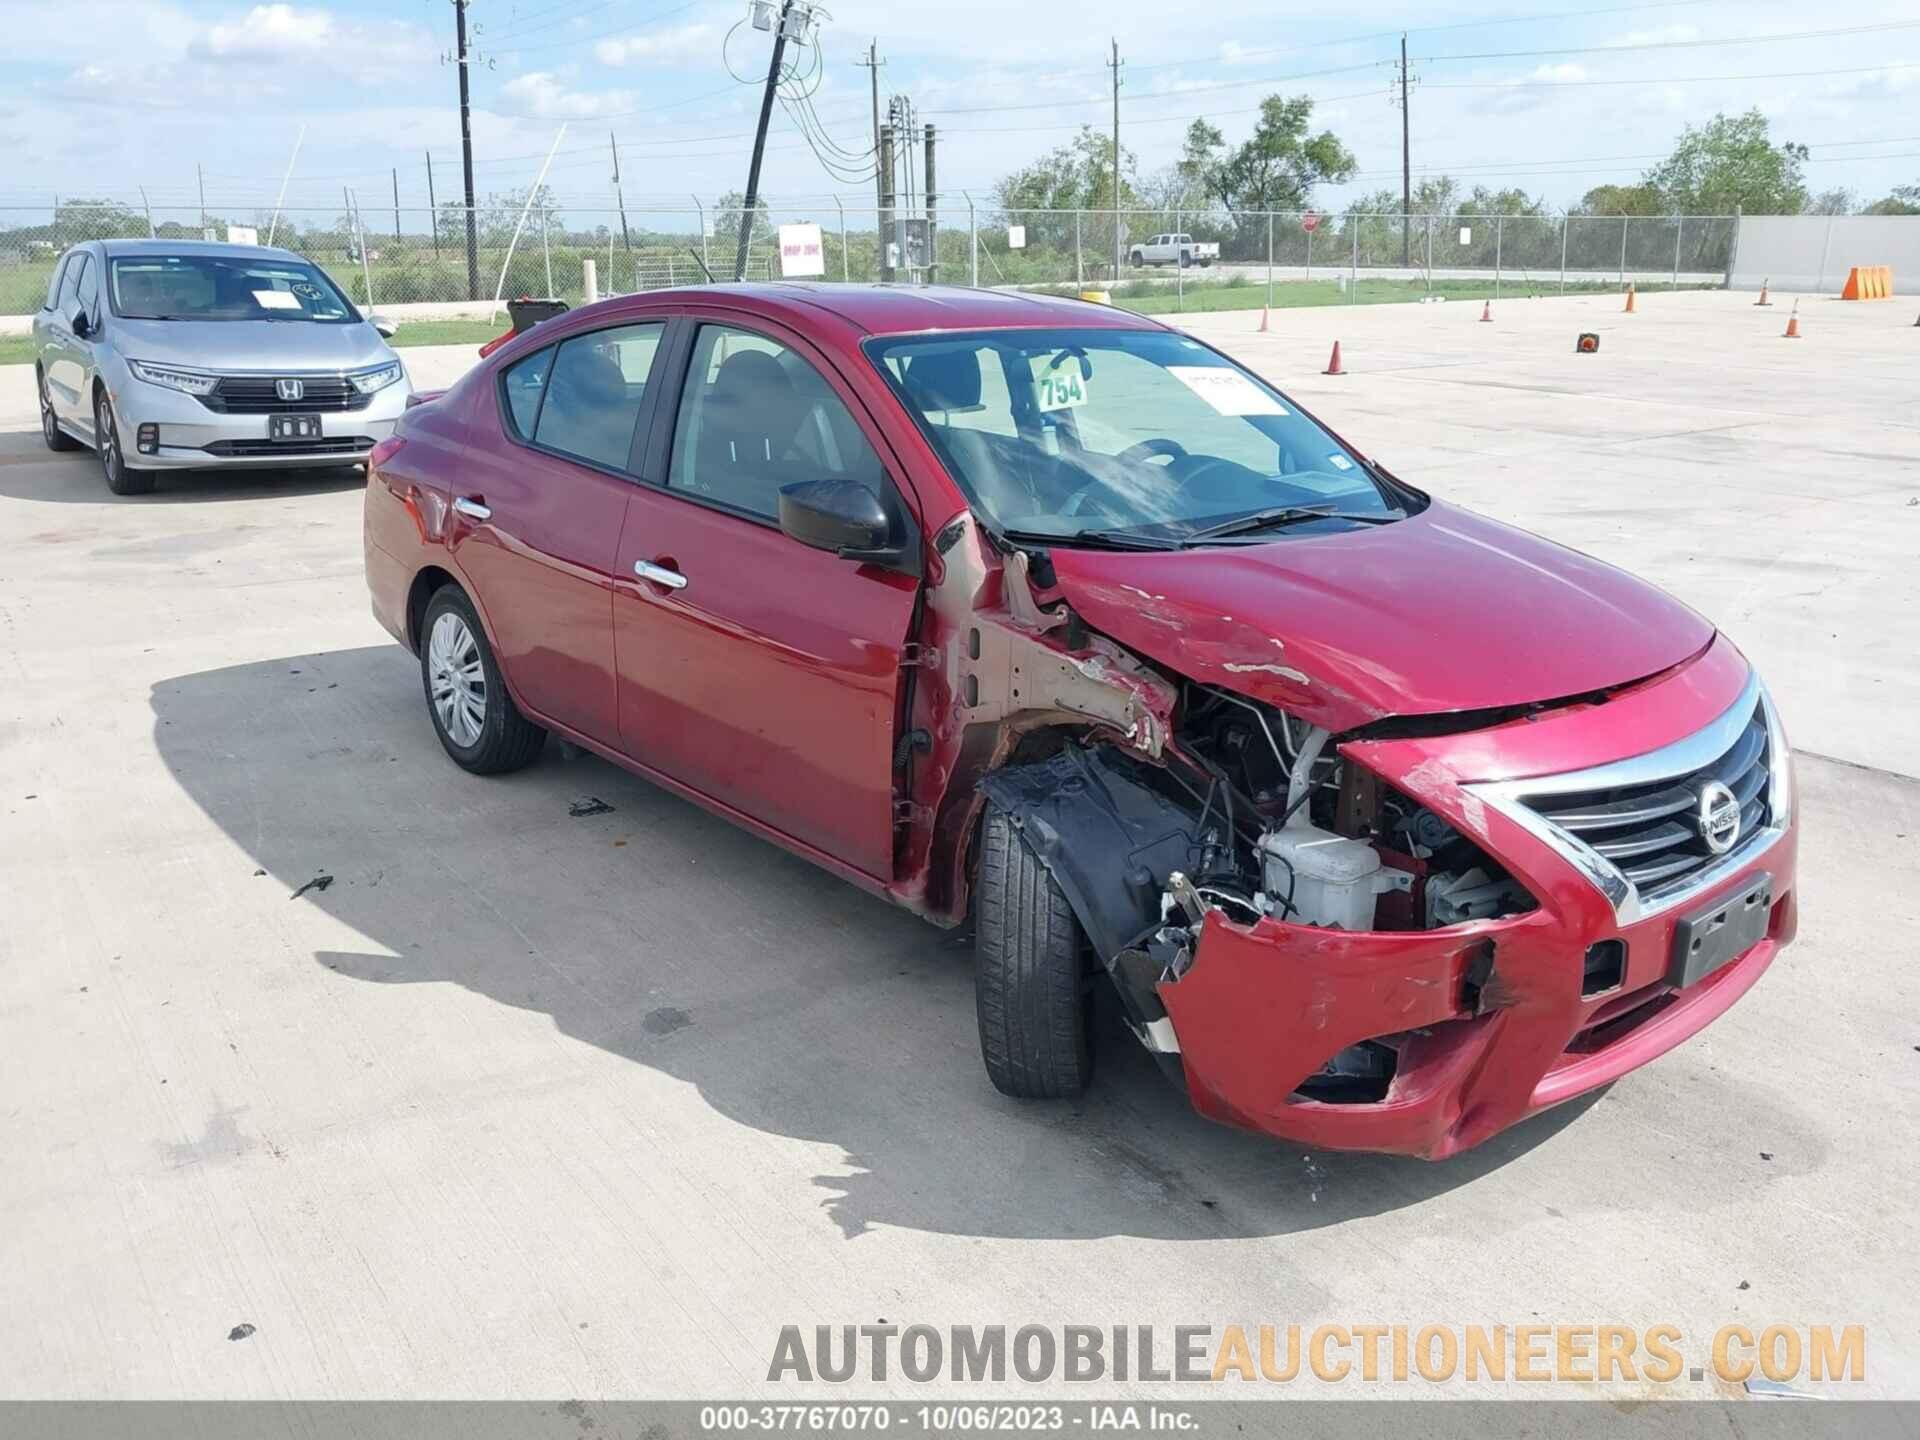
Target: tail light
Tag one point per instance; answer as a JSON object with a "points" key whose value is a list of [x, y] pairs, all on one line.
{"points": [[385, 451]]}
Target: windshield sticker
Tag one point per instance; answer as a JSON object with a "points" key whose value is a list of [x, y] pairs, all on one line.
{"points": [[1339, 462], [1062, 389], [1227, 391], [276, 300]]}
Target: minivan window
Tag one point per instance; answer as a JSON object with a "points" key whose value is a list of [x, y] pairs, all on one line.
{"points": [[55, 280], [1126, 436], [220, 287], [593, 393], [69, 300], [88, 292]]}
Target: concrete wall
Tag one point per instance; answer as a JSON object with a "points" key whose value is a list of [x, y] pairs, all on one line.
{"points": [[1812, 253]]}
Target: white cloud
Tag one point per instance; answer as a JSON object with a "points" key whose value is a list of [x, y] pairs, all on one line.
{"points": [[317, 38], [1559, 74], [269, 32], [544, 94], [657, 47]]}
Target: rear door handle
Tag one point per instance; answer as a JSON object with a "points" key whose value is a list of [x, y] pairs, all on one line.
{"points": [[473, 508], [660, 575]]}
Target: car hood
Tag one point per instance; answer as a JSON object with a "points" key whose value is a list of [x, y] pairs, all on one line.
{"points": [[1444, 611], [272, 345]]}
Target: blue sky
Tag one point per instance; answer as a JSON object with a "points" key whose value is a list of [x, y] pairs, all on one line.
{"points": [[1556, 102]]}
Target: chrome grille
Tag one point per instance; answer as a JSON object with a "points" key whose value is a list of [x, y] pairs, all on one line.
{"points": [[1652, 833], [256, 395]]}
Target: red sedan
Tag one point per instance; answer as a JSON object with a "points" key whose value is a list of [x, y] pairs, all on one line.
{"points": [[1389, 824]]}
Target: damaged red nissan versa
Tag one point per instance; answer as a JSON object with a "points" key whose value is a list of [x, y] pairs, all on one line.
{"points": [[1390, 824]]}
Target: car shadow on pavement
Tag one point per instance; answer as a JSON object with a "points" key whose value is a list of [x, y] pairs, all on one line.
{"points": [[796, 1004], [29, 471]]}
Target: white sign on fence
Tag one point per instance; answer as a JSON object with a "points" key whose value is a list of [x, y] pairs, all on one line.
{"points": [[1466, 234], [801, 251], [1016, 237], [242, 235]]}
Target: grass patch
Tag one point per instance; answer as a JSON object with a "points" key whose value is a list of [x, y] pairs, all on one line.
{"points": [[1204, 297], [16, 349]]}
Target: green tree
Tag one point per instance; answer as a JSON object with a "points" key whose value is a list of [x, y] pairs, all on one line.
{"points": [[1276, 167], [1074, 176], [1731, 164], [1904, 200], [1621, 200]]}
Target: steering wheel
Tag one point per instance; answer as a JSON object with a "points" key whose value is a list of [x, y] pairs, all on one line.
{"points": [[1148, 449]]}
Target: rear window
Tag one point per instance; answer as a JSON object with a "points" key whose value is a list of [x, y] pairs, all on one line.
{"points": [[218, 287]]}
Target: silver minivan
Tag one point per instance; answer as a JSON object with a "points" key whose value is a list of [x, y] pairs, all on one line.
{"points": [[174, 354]]}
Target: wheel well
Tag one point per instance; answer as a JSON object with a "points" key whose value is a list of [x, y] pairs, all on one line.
{"points": [[429, 580]]}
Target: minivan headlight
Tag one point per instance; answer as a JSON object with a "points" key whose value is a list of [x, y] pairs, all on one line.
{"points": [[368, 381], [172, 377]]}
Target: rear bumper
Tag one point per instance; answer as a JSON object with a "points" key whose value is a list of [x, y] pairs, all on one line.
{"points": [[1264, 1007]]}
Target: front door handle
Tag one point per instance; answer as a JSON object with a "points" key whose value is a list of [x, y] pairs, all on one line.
{"points": [[473, 508], [660, 575]]}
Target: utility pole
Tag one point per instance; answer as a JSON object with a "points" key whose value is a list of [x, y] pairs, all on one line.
{"points": [[1406, 164], [760, 139], [626, 240], [433, 206], [933, 223], [201, 175], [466, 147], [396, 202], [872, 64], [886, 203], [1118, 239]]}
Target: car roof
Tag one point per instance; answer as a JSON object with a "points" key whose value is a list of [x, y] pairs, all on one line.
{"points": [[196, 247], [902, 309]]}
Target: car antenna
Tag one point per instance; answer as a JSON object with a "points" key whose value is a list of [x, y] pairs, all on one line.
{"points": [[701, 263]]}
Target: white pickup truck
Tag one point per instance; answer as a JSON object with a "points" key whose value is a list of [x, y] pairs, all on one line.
{"points": [[1181, 250]]}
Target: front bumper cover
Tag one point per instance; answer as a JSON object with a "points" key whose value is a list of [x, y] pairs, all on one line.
{"points": [[1488, 1017], [188, 428]]}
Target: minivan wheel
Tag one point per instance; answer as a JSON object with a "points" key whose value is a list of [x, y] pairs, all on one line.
{"points": [[121, 479], [1029, 979], [50, 431], [476, 720]]}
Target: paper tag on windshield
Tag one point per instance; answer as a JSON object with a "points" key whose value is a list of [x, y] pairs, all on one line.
{"points": [[1227, 391], [1062, 389], [276, 300]]}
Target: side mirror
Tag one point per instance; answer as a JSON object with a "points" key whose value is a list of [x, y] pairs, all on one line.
{"points": [[382, 326], [82, 326], [843, 516]]}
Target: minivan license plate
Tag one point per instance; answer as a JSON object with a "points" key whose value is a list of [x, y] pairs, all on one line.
{"points": [[293, 427], [1722, 931]]}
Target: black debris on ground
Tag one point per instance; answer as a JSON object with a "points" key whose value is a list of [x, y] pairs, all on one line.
{"points": [[589, 805], [240, 1331], [319, 882]]}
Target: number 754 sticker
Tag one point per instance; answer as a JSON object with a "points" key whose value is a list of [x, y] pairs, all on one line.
{"points": [[1062, 390]]}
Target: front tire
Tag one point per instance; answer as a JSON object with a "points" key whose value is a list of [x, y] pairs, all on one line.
{"points": [[1029, 985], [50, 431], [478, 724], [122, 479]]}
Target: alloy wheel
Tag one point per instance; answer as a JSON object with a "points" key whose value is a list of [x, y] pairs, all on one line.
{"points": [[49, 426], [457, 679], [106, 439]]}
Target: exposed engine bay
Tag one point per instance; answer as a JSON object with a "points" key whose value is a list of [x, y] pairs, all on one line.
{"points": [[1255, 814]]}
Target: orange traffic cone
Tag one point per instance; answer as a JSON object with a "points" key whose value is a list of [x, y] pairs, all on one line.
{"points": [[1333, 362], [1763, 300], [1486, 313], [1263, 320], [1629, 297], [1793, 322]]}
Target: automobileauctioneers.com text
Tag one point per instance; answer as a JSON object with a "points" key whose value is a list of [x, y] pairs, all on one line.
{"points": [[1320, 1354]]}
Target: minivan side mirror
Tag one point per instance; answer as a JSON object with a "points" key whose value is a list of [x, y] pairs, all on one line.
{"points": [[845, 517], [382, 326], [82, 326]]}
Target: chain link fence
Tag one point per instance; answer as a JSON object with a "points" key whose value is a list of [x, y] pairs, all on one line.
{"points": [[397, 257]]}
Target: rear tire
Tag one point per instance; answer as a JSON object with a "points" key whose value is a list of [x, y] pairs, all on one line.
{"points": [[50, 431], [1028, 979], [478, 724], [122, 479]]}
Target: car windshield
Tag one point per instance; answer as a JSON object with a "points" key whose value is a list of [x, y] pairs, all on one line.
{"points": [[1117, 436], [218, 287]]}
